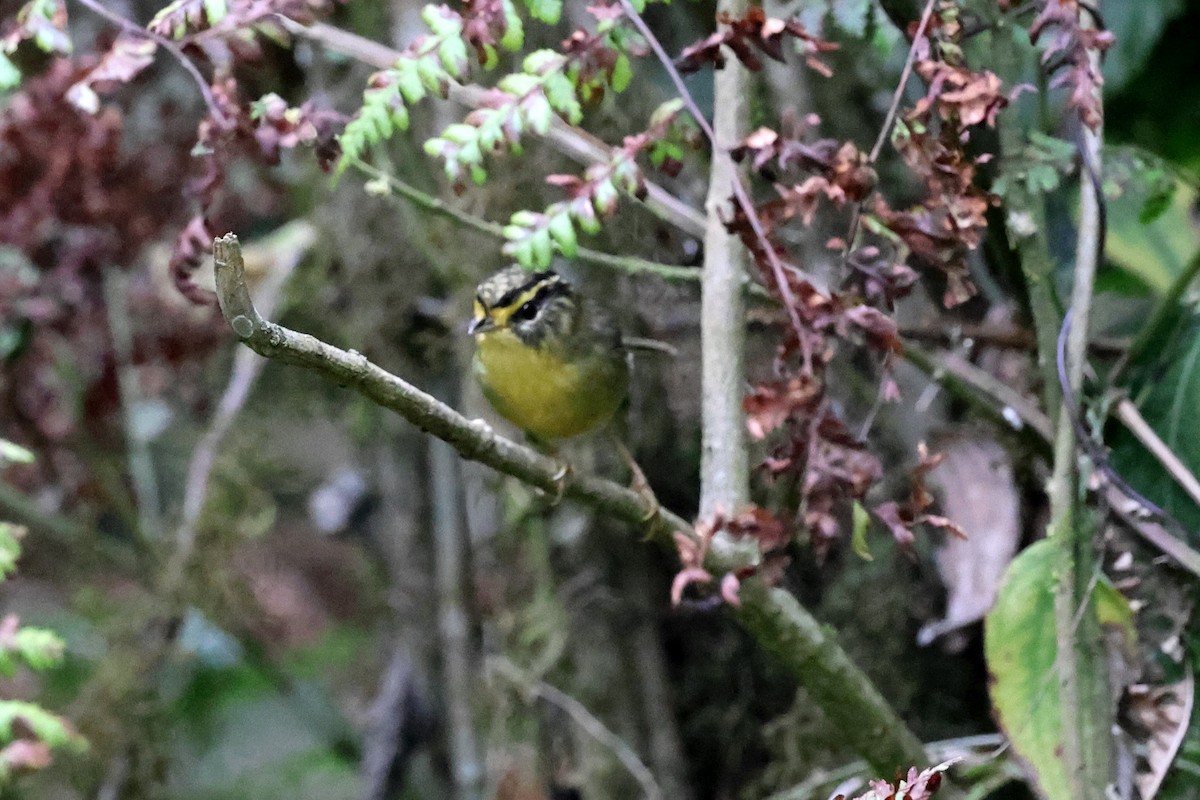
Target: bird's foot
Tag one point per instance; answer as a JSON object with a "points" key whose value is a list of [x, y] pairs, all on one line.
{"points": [[640, 485], [560, 481]]}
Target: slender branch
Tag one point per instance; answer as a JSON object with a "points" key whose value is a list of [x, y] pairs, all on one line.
{"points": [[889, 119], [724, 461], [458, 661], [285, 250], [1009, 337], [1128, 413], [473, 439], [588, 722], [720, 151], [983, 391], [568, 140], [170, 47], [853, 706], [20, 507], [1086, 742], [1003, 401], [141, 463], [629, 264], [809, 652]]}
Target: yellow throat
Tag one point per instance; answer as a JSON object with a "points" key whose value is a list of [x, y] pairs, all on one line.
{"points": [[540, 364]]}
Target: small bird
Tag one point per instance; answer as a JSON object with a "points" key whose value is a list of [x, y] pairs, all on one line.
{"points": [[547, 362]]}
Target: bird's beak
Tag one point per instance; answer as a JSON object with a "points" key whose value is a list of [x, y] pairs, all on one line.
{"points": [[481, 325]]}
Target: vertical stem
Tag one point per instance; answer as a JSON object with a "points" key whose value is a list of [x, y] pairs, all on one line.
{"points": [[724, 471], [1084, 721], [141, 463], [458, 667]]}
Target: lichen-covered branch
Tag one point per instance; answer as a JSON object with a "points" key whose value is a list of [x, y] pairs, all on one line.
{"points": [[473, 439], [810, 653], [1082, 682]]}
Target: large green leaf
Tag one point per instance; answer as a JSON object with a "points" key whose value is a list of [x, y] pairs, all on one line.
{"points": [[1151, 232], [1020, 649], [1167, 392]]}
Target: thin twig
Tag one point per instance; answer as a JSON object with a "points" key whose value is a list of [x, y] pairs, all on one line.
{"points": [[629, 264], [805, 649], [1128, 413], [459, 661], [588, 722], [290, 243], [1085, 741], [141, 463], [1083, 437], [473, 439], [889, 119], [166, 44], [572, 142], [720, 150]]}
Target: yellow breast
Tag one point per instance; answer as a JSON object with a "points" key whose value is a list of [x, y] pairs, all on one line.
{"points": [[546, 393]]}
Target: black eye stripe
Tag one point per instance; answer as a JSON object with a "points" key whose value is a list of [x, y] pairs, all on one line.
{"points": [[508, 297]]}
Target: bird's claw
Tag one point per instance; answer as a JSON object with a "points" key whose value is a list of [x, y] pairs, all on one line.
{"points": [[641, 486], [559, 480]]}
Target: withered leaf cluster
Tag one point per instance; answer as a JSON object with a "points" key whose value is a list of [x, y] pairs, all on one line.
{"points": [[753, 34], [1066, 55]]}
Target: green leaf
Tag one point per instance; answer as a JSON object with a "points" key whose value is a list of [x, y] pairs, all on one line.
{"points": [[14, 454], [1166, 388], [548, 11], [48, 727], [518, 84], [604, 197], [563, 233], [453, 55], [38, 647], [560, 92], [441, 20], [1151, 230], [666, 111], [408, 80], [538, 113], [215, 10], [514, 28], [622, 74], [10, 76], [858, 538], [1020, 650], [543, 248], [432, 76], [520, 250], [10, 547]]}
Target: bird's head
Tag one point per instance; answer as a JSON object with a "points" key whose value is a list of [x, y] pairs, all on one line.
{"points": [[533, 306]]}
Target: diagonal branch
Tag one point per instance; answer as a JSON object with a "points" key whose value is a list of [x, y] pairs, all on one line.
{"points": [[859, 714], [629, 264], [166, 44], [473, 439], [720, 150], [889, 120], [572, 142]]}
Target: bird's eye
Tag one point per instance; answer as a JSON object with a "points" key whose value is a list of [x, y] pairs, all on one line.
{"points": [[526, 312]]}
